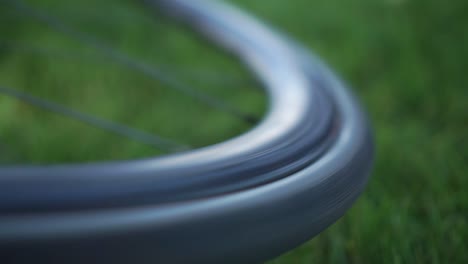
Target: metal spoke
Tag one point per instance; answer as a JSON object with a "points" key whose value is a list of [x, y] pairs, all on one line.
{"points": [[109, 126], [150, 71], [191, 73]]}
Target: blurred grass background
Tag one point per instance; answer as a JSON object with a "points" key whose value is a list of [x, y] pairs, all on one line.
{"points": [[406, 59]]}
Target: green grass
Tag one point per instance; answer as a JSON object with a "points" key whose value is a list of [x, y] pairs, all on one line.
{"points": [[407, 60]]}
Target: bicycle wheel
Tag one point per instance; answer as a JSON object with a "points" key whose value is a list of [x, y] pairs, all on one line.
{"points": [[246, 199]]}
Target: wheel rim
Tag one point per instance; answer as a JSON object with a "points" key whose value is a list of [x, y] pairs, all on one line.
{"points": [[323, 142]]}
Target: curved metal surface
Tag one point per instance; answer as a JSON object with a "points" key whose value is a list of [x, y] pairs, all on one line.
{"points": [[295, 110], [245, 200]]}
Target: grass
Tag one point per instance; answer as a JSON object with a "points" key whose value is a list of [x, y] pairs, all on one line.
{"points": [[406, 60]]}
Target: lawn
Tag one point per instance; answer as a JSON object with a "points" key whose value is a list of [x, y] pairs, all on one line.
{"points": [[407, 61]]}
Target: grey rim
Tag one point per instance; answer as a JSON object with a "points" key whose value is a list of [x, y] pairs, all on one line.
{"points": [[247, 199]]}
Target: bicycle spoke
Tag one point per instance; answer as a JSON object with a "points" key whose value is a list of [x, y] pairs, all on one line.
{"points": [[150, 71], [109, 126], [198, 74]]}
